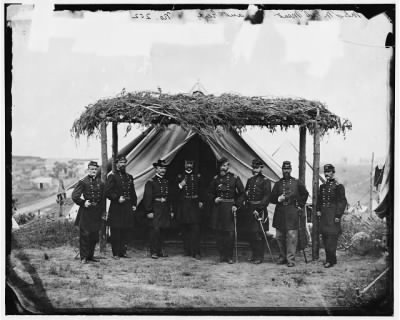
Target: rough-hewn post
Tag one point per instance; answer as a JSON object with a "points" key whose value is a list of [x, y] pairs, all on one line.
{"points": [[371, 185], [114, 144], [302, 155], [104, 161], [315, 219]]}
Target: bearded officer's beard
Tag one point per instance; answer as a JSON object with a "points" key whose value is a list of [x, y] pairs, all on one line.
{"points": [[189, 170], [122, 169]]}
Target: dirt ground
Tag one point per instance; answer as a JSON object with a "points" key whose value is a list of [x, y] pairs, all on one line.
{"points": [[54, 281]]}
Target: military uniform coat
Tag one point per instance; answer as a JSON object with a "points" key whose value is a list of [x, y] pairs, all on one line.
{"points": [[230, 188], [332, 203], [286, 215], [258, 191], [92, 189], [188, 198], [154, 190], [120, 215]]}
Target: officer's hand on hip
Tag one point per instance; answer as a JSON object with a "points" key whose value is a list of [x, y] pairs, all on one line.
{"points": [[217, 200], [183, 183], [200, 205], [281, 198], [87, 204], [121, 199], [133, 208], [172, 215], [337, 219], [150, 215], [318, 213]]}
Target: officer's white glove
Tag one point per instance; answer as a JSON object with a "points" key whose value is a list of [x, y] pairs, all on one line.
{"points": [[337, 220], [182, 183], [200, 205], [281, 198], [172, 215], [217, 200], [121, 199], [234, 209], [133, 208], [318, 213], [150, 215], [87, 204]]}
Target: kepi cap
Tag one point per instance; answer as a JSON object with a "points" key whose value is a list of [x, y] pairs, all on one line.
{"points": [[286, 165], [328, 168], [160, 163]]}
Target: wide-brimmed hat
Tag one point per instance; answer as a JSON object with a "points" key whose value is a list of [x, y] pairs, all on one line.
{"points": [[160, 163], [121, 158], [221, 161]]}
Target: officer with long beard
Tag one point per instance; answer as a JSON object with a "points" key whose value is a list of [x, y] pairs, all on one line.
{"points": [[120, 189], [226, 192], [189, 204]]}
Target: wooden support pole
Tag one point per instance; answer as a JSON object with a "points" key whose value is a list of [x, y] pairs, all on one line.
{"points": [[302, 155], [104, 161], [315, 219], [114, 144], [371, 184]]}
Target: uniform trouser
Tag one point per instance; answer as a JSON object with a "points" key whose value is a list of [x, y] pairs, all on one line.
{"points": [[225, 243], [119, 240], [287, 243], [257, 245], [191, 238], [87, 243], [330, 244], [156, 240]]}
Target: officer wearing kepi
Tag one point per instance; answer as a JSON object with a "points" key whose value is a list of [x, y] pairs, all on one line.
{"points": [[158, 208], [258, 191], [189, 204], [330, 208], [120, 189], [226, 192], [88, 195], [290, 196]]}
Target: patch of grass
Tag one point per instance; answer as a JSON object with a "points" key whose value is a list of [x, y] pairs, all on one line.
{"points": [[47, 233], [346, 293]]}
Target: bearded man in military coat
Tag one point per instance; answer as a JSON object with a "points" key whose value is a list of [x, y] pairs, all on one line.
{"points": [[226, 192], [189, 203], [158, 206], [331, 204], [258, 191], [89, 196], [120, 190], [290, 196]]}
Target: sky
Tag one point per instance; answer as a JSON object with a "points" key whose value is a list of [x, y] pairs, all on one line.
{"points": [[64, 61]]}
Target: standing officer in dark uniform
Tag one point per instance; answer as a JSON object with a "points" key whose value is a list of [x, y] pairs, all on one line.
{"points": [[258, 191], [290, 196], [330, 208], [189, 202], [158, 208], [227, 193], [91, 209], [120, 189]]}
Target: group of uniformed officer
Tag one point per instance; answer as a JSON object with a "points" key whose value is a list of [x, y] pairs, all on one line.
{"points": [[185, 197]]}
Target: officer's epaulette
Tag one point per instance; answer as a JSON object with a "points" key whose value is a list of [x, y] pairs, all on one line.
{"points": [[180, 176]]}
